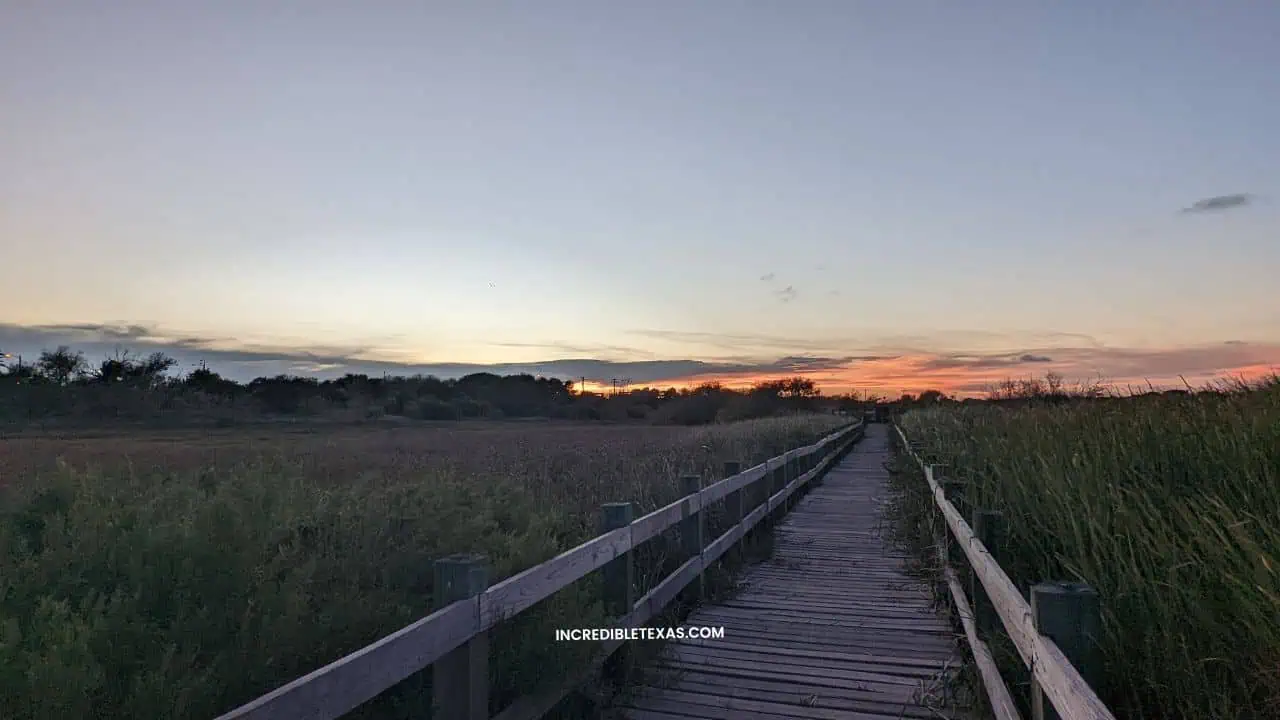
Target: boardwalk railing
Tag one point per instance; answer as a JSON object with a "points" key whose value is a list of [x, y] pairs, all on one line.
{"points": [[1055, 634], [453, 640]]}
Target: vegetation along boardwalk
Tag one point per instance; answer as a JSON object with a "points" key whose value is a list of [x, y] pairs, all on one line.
{"points": [[830, 627]]}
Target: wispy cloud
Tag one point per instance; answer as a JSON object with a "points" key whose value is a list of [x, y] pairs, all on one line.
{"points": [[595, 351], [768, 277], [1219, 203], [787, 294], [871, 342], [984, 361]]}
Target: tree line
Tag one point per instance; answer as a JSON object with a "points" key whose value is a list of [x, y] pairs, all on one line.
{"points": [[62, 385]]}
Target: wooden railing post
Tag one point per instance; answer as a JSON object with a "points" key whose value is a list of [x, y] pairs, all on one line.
{"points": [[784, 476], [618, 573], [460, 680], [750, 501], [733, 506], [1070, 614], [692, 530], [772, 484], [797, 469], [988, 527], [953, 489], [617, 578]]}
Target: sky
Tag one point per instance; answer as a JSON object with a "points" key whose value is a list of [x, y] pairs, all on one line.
{"points": [[884, 196]]}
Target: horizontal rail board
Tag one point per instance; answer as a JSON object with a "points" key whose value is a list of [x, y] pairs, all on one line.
{"points": [[343, 685], [728, 539], [1002, 705], [657, 522], [523, 590], [1070, 695], [717, 491]]}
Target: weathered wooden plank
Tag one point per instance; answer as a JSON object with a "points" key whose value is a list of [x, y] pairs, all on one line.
{"points": [[852, 622], [762, 656], [700, 712], [343, 685], [523, 590], [898, 641], [858, 576], [776, 603], [925, 650], [638, 714], [682, 653], [715, 706], [834, 590], [782, 582], [878, 692], [810, 652], [884, 612], [838, 698]]}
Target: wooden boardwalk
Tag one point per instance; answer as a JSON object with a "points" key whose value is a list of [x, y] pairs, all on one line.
{"points": [[830, 627]]}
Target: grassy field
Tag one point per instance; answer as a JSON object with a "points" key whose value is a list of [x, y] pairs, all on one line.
{"points": [[1169, 506], [180, 574]]}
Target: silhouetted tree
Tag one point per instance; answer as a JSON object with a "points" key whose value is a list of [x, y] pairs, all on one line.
{"points": [[61, 366]]}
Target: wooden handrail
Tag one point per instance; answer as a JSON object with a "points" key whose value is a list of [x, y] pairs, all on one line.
{"points": [[343, 685], [1002, 705], [1060, 681]]}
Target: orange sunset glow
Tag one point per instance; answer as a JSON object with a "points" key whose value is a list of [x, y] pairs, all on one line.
{"points": [[890, 377]]}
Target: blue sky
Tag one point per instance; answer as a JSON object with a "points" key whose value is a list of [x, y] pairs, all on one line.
{"points": [[725, 182]]}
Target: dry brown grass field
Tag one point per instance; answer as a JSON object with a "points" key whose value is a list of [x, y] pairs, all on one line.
{"points": [[182, 573]]}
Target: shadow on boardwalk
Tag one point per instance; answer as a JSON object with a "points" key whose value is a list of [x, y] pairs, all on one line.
{"points": [[832, 626]]}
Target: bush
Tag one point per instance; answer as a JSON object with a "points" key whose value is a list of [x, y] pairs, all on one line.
{"points": [[429, 408]]}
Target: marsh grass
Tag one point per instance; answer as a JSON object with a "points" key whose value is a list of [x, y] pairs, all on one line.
{"points": [[181, 577], [1168, 505]]}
